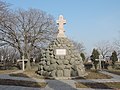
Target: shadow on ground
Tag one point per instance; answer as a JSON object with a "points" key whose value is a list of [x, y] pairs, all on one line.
{"points": [[24, 83], [92, 85], [53, 84], [60, 85]]}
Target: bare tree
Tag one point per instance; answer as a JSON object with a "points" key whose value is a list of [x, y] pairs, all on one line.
{"points": [[27, 30], [79, 46], [8, 56], [3, 10], [116, 44], [104, 47]]}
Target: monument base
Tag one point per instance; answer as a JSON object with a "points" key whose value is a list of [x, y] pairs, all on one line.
{"points": [[66, 78], [61, 61]]}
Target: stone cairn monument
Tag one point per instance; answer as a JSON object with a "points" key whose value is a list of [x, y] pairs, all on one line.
{"points": [[60, 60]]}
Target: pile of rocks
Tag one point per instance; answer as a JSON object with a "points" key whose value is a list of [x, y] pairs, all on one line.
{"points": [[69, 65]]}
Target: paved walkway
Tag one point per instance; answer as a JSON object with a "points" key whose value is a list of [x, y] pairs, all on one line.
{"points": [[56, 84], [3, 87]]}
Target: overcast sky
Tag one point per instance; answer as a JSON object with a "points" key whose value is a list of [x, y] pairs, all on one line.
{"points": [[88, 21]]}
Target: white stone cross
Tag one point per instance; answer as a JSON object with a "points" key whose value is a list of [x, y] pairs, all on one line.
{"points": [[100, 59], [1, 58], [61, 23], [23, 62]]}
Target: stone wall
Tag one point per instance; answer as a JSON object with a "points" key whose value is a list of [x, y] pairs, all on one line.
{"points": [[69, 65]]}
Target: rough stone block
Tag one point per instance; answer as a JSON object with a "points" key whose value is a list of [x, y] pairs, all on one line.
{"points": [[59, 45], [68, 45], [80, 70], [56, 57], [52, 56], [47, 54], [46, 68], [45, 73], [67, 66], [64, 45], [43, 62], [66, 62], [72, 61], [67, 57], [40, 67], [60, 67], [52, 61], [48, 62], [69, 52], [41, 72], [74, 73], [74, 67], [59, 62], [52, 67], [62, 57], [72, 55], [53, 73], [59, 73], [77, 62], [66, 73], [40, 63]]}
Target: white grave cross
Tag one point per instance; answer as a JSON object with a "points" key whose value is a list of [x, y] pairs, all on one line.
{"points": [[23, 62], [100, 59], [1, 58], [61, 23]]}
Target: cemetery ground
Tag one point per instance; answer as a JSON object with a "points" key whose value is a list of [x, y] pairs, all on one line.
{"points": [[114, 71], [6, 71], [31, 79], [92, 74], [107, 85]]}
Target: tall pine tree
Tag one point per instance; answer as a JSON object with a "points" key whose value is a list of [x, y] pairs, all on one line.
{"points": [[113, 58], [83, 56], [94, 56]]}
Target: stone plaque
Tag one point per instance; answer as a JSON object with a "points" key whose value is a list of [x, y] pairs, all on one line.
{"points": [[60, 51]]}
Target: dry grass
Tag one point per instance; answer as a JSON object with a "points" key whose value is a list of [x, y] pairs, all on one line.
{"points": [[22, 83], [27, 74], [92, 74], [117, 72], [32, 74], [6, 71], [19, 75], [107, 85]]}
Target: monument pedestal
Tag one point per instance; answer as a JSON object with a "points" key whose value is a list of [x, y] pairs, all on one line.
{"points": [[61, 60]]}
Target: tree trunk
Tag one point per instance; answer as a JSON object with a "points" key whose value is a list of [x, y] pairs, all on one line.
{"points": [[28, 65], [21, 54]]}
